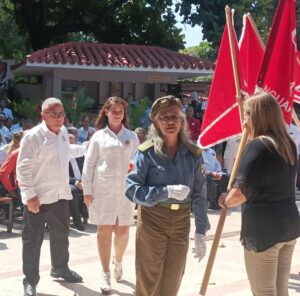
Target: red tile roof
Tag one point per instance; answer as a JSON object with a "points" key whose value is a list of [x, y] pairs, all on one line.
{"points": [[116, 55]]}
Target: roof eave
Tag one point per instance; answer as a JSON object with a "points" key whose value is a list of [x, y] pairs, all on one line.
{"points": [[25, 67]]}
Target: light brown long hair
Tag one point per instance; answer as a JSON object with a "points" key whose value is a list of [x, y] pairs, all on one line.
{"points": [[267, 124], [15, 142], [102, 119]]}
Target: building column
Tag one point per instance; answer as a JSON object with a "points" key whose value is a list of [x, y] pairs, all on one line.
{"points": [[56, 87], [139, 90], [104, 91]]}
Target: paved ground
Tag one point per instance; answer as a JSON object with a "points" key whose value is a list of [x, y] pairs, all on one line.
{"points": [[228, 275]]}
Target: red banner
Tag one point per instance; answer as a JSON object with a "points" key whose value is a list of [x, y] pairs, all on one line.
{"points": [[251, 53], [277, 73], [221, 119]]}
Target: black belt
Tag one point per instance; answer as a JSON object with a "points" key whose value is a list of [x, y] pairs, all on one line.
{"points": [[173, 206]]}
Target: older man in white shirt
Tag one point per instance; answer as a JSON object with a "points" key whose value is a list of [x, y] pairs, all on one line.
{"points": [[43, 177]]}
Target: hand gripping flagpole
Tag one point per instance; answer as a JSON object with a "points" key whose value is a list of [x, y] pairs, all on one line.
{"points": [[243, 142]]}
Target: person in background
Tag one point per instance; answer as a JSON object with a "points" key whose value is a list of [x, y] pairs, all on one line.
{"points": [[3, 129], [265, 185], [3, 109], [18, 126], [85, 130], [68, 120], [43, 177], [27, 125], [141, 133], [165, 181], [8, 180], [230, 152], [105, 168], [217, 180], [9, 124], [193, 124], [77, 206], [294, 133]]}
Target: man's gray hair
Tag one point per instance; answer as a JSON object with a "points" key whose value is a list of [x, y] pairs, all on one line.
{"points": [[50, 102]]}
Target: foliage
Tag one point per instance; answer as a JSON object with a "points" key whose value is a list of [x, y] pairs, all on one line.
{"points": [[83, 103], [27, 107], [149, 22], [12, 43], [211, 15], [136, 111], [204, 50]]}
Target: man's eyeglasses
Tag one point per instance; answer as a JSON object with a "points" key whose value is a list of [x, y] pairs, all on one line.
{"points": [[56, 114], [168, 118]]}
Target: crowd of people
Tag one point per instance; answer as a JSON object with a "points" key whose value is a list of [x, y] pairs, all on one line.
{"points": [[101, 174]]}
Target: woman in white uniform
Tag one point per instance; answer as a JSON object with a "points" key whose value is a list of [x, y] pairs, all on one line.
{"points": [[105, 168]]}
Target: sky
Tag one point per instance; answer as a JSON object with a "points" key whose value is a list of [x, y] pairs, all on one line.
{"points": [[193, 36]]}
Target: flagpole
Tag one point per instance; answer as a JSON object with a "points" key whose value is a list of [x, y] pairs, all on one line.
{"points": [[234, 64], [244, 139]]}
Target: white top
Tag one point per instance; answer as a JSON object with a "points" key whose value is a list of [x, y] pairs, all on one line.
{"points": [[211, 162], [43, 164], [83, 134], [104, 173]]}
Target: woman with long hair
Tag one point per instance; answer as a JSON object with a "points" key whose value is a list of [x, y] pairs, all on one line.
{"points": [[166, 181], [105, 168], [265, 184]]}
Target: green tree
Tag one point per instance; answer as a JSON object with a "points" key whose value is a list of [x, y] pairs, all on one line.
{"points": [[211, 16], [204, 50], [113, 21], [12, 44]]}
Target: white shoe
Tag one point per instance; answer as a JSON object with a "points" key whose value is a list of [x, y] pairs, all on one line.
{"points": [[118, 271], [105, 283]]}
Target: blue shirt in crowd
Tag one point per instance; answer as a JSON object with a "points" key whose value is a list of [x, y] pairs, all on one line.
{"points": [[147, 183], [210, 161]]}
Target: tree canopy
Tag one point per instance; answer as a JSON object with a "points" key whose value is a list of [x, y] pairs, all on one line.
{"points": [[47, 22], [211, 16]]}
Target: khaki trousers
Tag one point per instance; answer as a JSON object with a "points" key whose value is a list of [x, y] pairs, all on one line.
{"points": [[162, 241], [269, 271]]}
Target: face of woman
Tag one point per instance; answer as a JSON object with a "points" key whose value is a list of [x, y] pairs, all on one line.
{"points": [[169, 121], [115, 114]]}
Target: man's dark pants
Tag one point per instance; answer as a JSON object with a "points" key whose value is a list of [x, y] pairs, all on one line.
{"points": [[57, 217]]}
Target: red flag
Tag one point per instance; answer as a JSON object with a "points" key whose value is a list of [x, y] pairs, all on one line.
{"points": [[277, 73], [221, 118], [251, 53]]}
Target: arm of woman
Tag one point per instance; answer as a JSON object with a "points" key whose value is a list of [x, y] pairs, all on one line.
{"points": [[199, 200], [137, 189], [89, 166], [234, 198]]}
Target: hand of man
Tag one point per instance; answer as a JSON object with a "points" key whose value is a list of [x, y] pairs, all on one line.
{"points": [[221, 200], [216, 176], [200, 246], [179, 192], [33, 205], [88, 199], [79, 186]]}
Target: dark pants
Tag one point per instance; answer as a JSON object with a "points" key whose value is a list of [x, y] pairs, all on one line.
{"points": [[215, 188], [57, 217], [162, 241], [77, 206]]}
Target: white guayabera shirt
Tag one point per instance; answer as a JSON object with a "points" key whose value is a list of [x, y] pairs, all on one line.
{"points": [[43, 164]]}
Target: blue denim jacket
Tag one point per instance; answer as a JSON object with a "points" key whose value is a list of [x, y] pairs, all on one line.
{"points": [[147, 183]]}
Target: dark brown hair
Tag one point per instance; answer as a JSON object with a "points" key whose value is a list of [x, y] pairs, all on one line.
{"points": [[102, 119]]}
